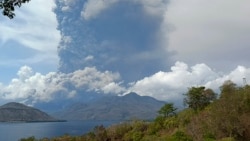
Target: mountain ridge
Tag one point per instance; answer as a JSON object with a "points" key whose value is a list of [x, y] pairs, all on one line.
{"points": [[125, 107]]}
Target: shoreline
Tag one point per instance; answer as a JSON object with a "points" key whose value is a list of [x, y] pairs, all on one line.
{"points": [[33, 121]]}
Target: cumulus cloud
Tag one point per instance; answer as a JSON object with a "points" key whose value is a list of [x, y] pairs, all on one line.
{"points": [[170, 86], [25, 72], [237, 76], [36, 87]]}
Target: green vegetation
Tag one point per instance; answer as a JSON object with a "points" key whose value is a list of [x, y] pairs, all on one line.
{"points": [[167, 110], [206, 119], [198, 98], [8, 6]]}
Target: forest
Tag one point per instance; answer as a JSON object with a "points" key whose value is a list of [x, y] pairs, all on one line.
{"points": [[207, 117]]}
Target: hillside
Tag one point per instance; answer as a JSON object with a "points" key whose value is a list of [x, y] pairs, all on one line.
{"points": [[17, 112], [125, 107]]}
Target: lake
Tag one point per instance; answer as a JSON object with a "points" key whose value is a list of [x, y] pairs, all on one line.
{"points": [[16, 131]]}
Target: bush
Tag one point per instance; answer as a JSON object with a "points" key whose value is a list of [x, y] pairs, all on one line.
{"points": [[178, 136], [28, 139], [227, 139], [117, 132], [136, 136], [181, 136]]}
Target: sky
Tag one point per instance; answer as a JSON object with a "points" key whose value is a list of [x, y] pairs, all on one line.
{"points": [[159, 48]]}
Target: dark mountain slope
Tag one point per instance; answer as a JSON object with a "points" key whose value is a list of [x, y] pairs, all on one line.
{"points": [[114, 108]]}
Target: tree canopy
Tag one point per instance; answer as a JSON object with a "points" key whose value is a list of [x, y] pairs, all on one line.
{"points": [[198, 98], [8, 7], [167, 110]]}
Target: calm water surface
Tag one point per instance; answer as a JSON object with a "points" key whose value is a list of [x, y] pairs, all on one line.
{"points": [[16, 131]]}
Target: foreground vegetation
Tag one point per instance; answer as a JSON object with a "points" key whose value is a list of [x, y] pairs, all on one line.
{"points": [[225, 117]]}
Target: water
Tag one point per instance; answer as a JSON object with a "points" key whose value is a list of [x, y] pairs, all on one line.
{"points": [[16, 131]]}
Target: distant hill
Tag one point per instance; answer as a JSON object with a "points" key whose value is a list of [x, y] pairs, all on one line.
{"points": [[114, 108], [16, 112]]}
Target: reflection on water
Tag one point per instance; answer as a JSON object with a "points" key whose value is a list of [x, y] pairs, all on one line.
{"points": [[16, 131]]}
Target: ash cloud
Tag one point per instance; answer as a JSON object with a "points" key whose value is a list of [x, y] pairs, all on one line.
{"points": [[120, 36]]}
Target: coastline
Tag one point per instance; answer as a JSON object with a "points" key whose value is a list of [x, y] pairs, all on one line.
{"points": [[32, 121]]}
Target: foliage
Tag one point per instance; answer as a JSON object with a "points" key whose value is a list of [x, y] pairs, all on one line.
{"points": [[156, 126], [100, 133], [226, 117], [227, 139], [198, 98], [181, 136], [170, 123], [185, 116], [230, 112], [227, 89], [8, 6], [167, 110], [28, 139], [117, 132]]}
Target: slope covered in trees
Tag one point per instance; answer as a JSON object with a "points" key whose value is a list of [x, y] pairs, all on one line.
{"points": [[125, 107], [225, 118]]}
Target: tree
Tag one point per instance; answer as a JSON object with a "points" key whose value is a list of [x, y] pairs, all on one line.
{"points": [[8, 6], [227, 89], [167, 110], [100, 133], [198, 98]]}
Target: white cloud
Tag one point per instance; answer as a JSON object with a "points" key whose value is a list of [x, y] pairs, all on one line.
{"points": [[89, 58], [25, 72], [171, 86], [113, 88], [38, 87], [237, 76], [215, 32], [167, 86]]}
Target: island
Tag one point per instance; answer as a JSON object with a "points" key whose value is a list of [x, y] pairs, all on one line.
{"points": [[17, 112]]}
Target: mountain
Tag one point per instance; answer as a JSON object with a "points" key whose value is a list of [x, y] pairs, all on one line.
{"points": [[17, 112], [113, 108], [61, 103]]}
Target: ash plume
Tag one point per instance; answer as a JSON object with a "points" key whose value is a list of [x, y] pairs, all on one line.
{"points": [[120, 36]]}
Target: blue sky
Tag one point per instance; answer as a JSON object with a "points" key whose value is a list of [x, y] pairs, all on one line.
{"points": [[157, 48], [30, 39]]}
